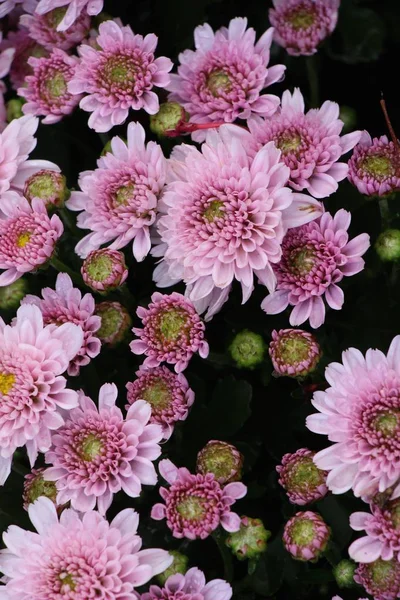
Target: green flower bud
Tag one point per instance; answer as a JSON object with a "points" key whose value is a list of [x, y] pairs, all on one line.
{"points": [[349, 117], [387, 245], [14, 109], [11, 295], [344, 573], [170, 115], [115, 323], [251, 539], [222, 459], [179, 565], [247, 349]]}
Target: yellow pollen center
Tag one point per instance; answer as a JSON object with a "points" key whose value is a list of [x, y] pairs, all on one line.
{"points": [[67, 580], [124, 194], [214, 211], [91, 448], [287, 143], [301, 19], [218, 82], [387, 423], [191, 508], [23, 239], [7, 380]]}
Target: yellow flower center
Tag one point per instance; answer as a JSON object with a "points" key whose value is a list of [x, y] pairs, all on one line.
{"points": [[91, 447], [214, 211], [301, 19], [191, 509], [218, 82], [7, 380], [23, 239], [67, 580]]}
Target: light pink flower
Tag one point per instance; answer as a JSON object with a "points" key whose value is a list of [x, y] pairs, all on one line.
{"points": [[380, 578], [65, 304], [301, 25], [119, 198], [28, 236], [32, 389], [191, 586], [224, 214], [195, 505], [310, 143], [223, 78], [97, 452], [104, 270], [306, 536], [24, 47], [301, 479], [294, 352], [374, 166], [6, 6], [119, 74], [172, 332], [6, 58], [75, 8], [359, 412], [168, 394], [77, 556], [315, 258], [383, 533]]}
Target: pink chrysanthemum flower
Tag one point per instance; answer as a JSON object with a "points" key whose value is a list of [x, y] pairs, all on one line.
{"points": [[223, 78], [191, 586], [360, 413], [374, 167], [301, 25], [74, 10], [300, 477], [380, 578], [46, 92], [35, 486], [195, 505], [294, 352], [315, 258], [77, 556], [221, 459], [97, 452], [28, 236], [383, 533], [104, 270], [24, 47], [306, 536], [119, 198], [224, 215], [168, 394], [32, 390], [65, 304], [119, 74], [310, 143], [6, 6], [172, 332]]}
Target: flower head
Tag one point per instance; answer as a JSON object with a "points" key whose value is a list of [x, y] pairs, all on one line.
{"points": [[315, 258], [11, 295], [104, 270], [301, 25], [168, 394], [65, 304], [383, 533], [49, 186], [374, 167], [221, 459], [300, 477], [77, 556], [360, 413], [195, 505], [73, 13], [115, 322], [32, 390], [179, 565], [119, 74], [119, 198], [294, 352], [306, 536], [172, 332], [310, 143], [223, 78], [344, 573], [44, 29], [191, 586], [24, 47], [251, 539], [387, 245], [247, 349], [35, 486], [380, 578]]}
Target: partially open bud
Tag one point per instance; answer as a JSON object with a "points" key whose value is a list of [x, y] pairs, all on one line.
{"points": [[168, 119], [222, 459], [306, 536], [11, 295], [35, 486], [294, 352], [251, 539], [179, 565], [387, 245], [14, 109], [344, 573], [104, 270], [380, 578], [115, 323], [50, 186], [247, 349], [300, 477]]}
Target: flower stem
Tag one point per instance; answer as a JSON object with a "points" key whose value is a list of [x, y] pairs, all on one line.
{"points": [[312, 74], [68, 221], [225, 555], [127, 297], [59, 266], [385, 212]]}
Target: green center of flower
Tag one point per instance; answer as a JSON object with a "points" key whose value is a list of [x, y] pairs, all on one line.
{"points": [[56, 86], [7, 381], [91, 447], [66, 579], [54, 17], [111, 320], [40, 487], [214, 211], [172, 324], [302, 532], [100, 267], [157, 394], [23, 239], [120, 70], [124, 194], [387, 423], [301, 19], [302, 260], [192, 508], [288, 143], [220, 461], [378, 165], [305, 475], [382, 571], [293, 349], [218, 82]]}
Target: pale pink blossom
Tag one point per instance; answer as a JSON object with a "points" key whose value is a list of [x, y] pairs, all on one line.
{"points": [[75, 8], [191, 586], [382, 539]]}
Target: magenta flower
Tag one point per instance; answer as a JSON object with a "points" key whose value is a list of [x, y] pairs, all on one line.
{"points": [[65, 304], [24, 47], [168, 394], [294, 352], [119, 74], [97, 452], [315, 258], [301, 479], [172, 332], [77, 556], [73, 12], [44, 29], [310, 143], [223, 78], [383, 533], [195, 505], [374, 166], [360, 414], [381, 578], [191, 586], [301, 25], [224, 215], [33, 393], [119, 198], [306, 536]]}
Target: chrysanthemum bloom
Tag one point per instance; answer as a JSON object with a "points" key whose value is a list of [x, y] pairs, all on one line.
{"points": [[75, 8], [32, 390], [97, 452], [221, 459], [49, 186], [115, 323], [24, 47], [301, 25], [191, 586], [360, 412], [65, 304], [179, 565], [315, 258], [224, 215], [380, 578], [374, 167], [44, 28], [310, 143], [344, 573], [168, 394], [11, 295], [247, 349], [223, 78], [195, 505], [294, 352], [387, 245], [35, 486], [306, 536], [46, 92], [172, 332], [27, 236], [251, 539], [301, 479], [119, 198], [383, 533], [119, 74], [77, 556], [104, 270]]}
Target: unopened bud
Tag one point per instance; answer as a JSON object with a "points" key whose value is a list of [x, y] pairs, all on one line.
{"points": [[11, 295], [344, 573], [115, 323], [179, 565], [294, 352], [168, 118], [251, 539], [104, 270], [222, 459], [50, 186], [14, 109], [247, 349], [387, 245]]}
